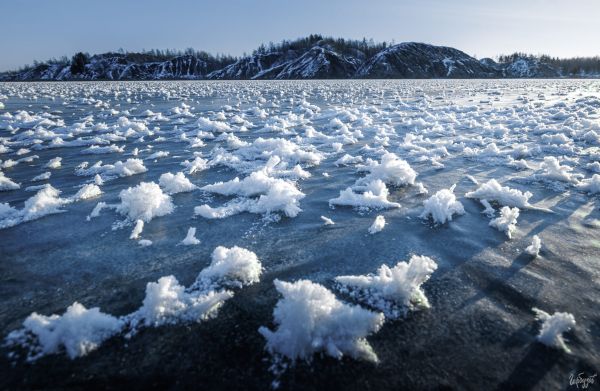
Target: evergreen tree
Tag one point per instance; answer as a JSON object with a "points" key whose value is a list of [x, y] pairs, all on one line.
{"points": [[78, 63]]}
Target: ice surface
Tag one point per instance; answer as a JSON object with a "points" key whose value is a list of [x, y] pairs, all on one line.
{"points": [[310, 319], [294, 145]]}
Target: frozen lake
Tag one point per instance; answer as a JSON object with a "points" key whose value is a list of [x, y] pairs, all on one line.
{"points": [[524, 156]]}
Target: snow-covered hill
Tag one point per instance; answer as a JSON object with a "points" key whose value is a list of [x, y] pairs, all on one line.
{"points": [[319, 60], [317, 63], [526, 67], [419, 60], [254, 66], [118, 67]]}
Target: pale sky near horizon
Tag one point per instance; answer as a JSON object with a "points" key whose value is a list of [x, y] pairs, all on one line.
{"points": [[41, 29]]}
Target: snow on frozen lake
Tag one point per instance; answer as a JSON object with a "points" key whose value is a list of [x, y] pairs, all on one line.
{"points": [[115, 198]]}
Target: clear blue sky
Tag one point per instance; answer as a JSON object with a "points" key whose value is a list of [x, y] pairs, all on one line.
{"points": [[40, 29]]}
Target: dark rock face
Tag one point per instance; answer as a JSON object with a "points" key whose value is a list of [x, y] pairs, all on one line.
{"points": [[320, 61], [38, 72], [255, 66], [184, 67], [120, 68]]}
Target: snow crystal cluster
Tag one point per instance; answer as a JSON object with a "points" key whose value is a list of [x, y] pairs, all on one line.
{"points": [[190, 238], [45, 202], [441, 206], [258, 193], [110, 171], [88, 191], [534, 248], [391, 170], [175, 183], [310, 319], [144, 202], [392, 289], [168, 302], [552, 170], [327, 221], [79, 331], [503, 195], [553, 326], [590, 185], [7, 184], [507, 221], [371, 191], [377, 225], [375, 195]]}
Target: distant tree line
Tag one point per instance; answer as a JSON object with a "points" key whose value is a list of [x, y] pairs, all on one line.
{"points": [[569, 66], [364, 47]]}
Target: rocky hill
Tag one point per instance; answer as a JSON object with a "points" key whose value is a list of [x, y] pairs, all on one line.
{"points": [[309, 58]]}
